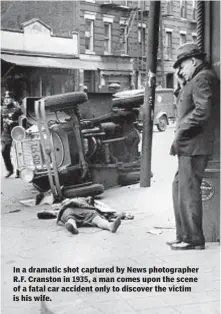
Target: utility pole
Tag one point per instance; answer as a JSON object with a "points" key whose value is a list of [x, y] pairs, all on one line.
{"points": [[149, 96]]}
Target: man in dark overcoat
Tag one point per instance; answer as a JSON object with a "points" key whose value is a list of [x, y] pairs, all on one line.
{"points": [[193, 143]]}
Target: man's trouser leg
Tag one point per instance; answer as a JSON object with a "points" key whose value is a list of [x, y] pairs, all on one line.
{"points": [[179, 234], [191, 171], [6, 151]]}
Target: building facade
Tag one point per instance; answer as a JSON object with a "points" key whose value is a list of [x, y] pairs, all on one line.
{"points": [[39, 47], [51, 47], [178, 26]]}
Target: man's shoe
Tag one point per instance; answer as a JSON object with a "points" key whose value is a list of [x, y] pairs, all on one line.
{"points": [[182, 246], [9, 173], [173, 242]]}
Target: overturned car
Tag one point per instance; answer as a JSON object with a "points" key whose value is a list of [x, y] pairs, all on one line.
{"points": [[57, 150]]}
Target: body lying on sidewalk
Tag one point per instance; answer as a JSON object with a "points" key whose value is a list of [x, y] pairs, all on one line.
{"points": [[73, 218], [84, 212], [80, 212]]}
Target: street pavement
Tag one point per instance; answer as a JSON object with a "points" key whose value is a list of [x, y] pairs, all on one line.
{"points": [[139, 243]]}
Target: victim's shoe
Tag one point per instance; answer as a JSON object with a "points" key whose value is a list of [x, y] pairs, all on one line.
{"points": [[115, 225], [71, 228]]}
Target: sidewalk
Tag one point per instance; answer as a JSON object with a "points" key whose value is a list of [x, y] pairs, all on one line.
{"points": [[28, 242]]}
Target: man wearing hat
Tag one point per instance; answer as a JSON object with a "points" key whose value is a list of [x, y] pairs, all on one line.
{"points": [[193, 143], [10, 112]]}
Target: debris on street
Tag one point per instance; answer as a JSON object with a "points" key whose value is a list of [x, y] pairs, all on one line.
{"points": [[14, 211], [155, 231], [28, 203]]}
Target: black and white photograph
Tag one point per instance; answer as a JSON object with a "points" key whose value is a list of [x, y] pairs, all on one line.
{"points": [[110, 157]]}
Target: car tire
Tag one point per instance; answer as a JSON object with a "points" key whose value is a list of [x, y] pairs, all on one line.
{"points": [[128, 102], [129, 178], [65, 101], [84, 191], [162, 124]]}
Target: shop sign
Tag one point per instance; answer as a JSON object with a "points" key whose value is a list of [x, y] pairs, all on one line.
{"points": [[207, 190]]}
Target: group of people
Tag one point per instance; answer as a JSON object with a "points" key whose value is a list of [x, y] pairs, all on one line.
{"points": [[193, 144]]}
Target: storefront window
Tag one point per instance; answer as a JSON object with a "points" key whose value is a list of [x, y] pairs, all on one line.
{"points": [[89, 80], [51, 82]]}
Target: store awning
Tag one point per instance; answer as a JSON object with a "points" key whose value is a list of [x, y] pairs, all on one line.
{"points": [[64, 63], [48, 62]]}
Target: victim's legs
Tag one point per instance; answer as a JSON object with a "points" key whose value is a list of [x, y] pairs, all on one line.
{"points": [[97, 221], [71, 226], [102, 223]]}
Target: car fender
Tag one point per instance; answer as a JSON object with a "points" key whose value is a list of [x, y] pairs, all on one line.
{"points": [[159, 115]]}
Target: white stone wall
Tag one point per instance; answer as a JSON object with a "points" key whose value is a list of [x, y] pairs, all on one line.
{"points": [[38, 38]]}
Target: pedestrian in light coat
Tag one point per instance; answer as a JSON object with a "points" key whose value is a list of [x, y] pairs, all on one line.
{"points": [[193, 143]]}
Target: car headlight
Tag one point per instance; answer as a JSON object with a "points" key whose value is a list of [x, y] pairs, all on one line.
{"points": [[18, 133], [27, 175]]}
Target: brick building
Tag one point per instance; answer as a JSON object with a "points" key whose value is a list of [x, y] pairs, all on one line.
{"points": [[50, 47], [178, 27], [39, 47], [121, 29]]}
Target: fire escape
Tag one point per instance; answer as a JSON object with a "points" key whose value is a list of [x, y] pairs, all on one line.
{"points": [[132, 18], [125, 31]]}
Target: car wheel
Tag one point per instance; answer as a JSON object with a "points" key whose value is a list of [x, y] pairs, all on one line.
{"points": [[129, 178], [162, 124], [65, 101], [84, 191], [128, 102]]}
